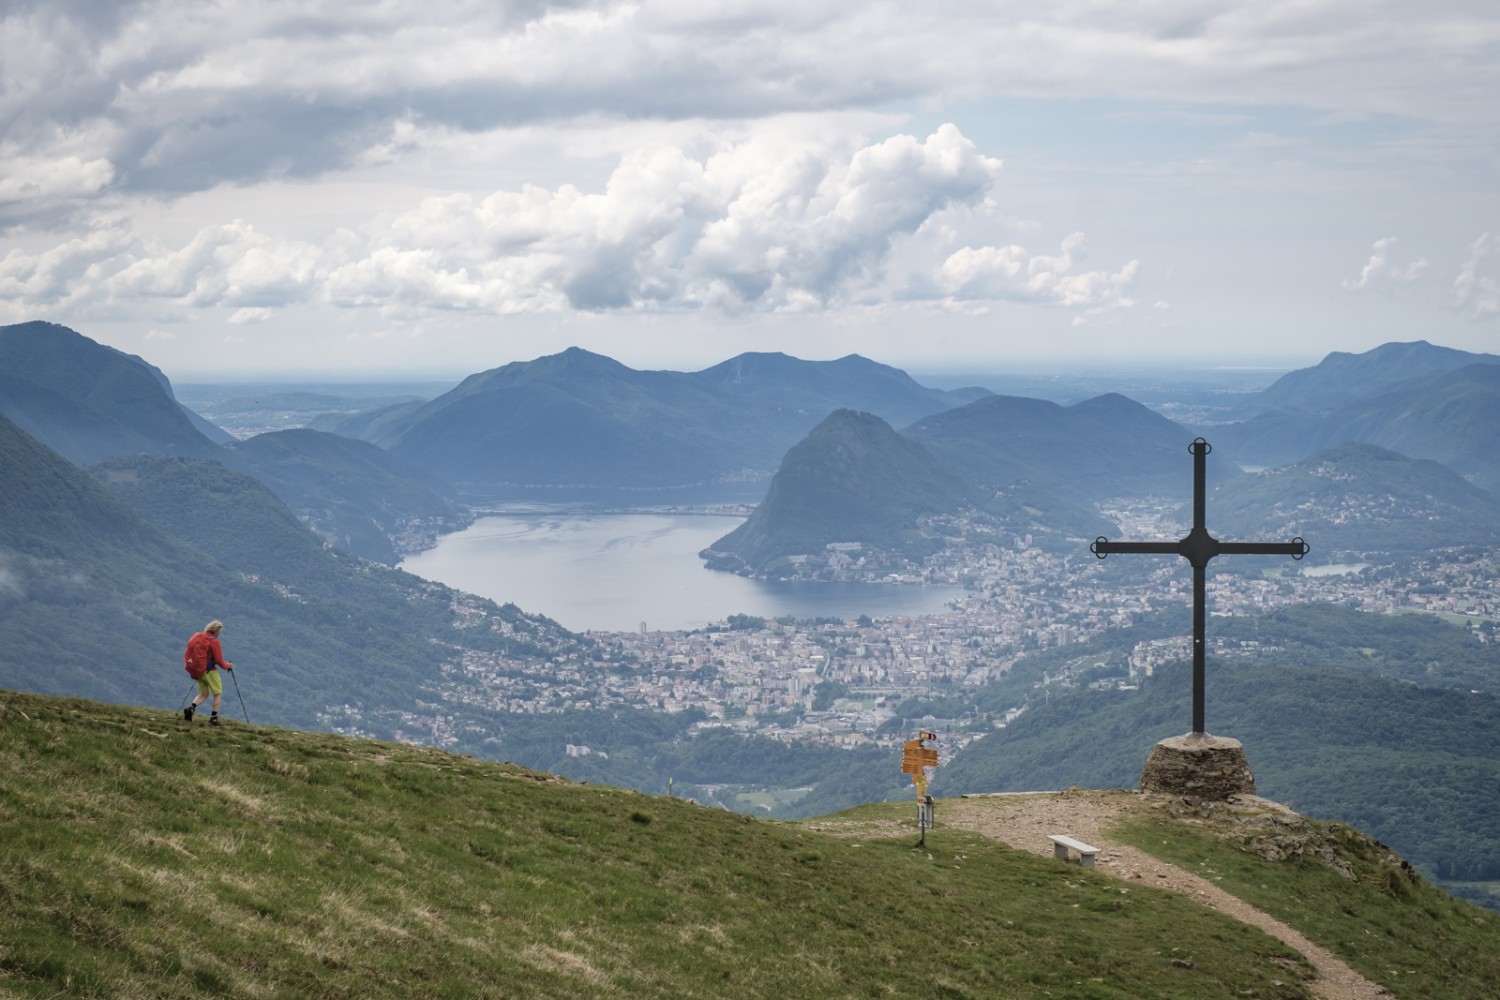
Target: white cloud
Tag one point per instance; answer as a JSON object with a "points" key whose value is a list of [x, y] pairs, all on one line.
{"points": [[1476, 292], [1381, 268], [228, 265], [41, 180], [1015, 274], [63, 277], [770, 222], [756, 225]]}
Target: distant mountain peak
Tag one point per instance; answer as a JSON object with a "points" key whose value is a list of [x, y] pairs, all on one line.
{"points": [[1341, 377]]}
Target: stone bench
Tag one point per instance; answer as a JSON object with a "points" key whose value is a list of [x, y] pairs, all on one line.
{"points": [[1061, 844]]}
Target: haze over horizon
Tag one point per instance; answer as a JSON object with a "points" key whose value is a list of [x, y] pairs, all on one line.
{"points": [[412, 191]]}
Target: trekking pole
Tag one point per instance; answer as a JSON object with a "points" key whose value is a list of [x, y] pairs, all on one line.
{"points": [[240, 696]]}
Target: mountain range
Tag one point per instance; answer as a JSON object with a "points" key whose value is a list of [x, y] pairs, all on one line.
{"points": [[582, 420], [1414, 399], [1342, 378], [567, 423], [1038, 468], [90, 402]]}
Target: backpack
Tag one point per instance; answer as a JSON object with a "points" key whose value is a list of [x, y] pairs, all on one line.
{"points": [[195, 657]]}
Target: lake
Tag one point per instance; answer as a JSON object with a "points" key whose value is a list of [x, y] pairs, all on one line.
{"points": [[616, 572]]}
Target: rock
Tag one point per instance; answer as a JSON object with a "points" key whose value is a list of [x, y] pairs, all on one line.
{"points": [[1198, 766]]}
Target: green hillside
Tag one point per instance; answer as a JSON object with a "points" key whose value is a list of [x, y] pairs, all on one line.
{"points": [[187, 862], [1416, 767], [89, 401], [354, 494], [1361, 499], [99, 596]]}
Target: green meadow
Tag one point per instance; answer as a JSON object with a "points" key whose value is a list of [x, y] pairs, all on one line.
{"points": [[141, 856]]}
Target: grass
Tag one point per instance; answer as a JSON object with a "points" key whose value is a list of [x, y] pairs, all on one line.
{"points": [[144, 857], [1343, 890]]}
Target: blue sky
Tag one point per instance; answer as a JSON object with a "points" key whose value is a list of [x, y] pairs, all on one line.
{"points": [[242, 189]]}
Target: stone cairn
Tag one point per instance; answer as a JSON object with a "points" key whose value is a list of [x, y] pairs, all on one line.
{"points": [[1199, 766]]}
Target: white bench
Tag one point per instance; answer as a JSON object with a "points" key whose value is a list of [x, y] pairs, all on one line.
{"points": [[1061, 843]]}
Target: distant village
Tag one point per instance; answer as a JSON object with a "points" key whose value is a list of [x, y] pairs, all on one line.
{"points": [[774, 678]]}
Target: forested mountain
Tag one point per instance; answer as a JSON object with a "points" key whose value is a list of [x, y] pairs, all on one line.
{"points": [[805, 392], [1448, 416], [358, 496], [855, 484], [1361, 499], [1104, 447], [852, 480], [98, 598], [88, 401], [369, 425], [1342, 378], [578, 419]]}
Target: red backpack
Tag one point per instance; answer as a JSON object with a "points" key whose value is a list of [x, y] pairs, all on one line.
{"points": [[195, 657]]}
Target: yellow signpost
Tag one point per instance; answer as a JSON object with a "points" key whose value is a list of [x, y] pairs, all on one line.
{"points": [[915, 760]]}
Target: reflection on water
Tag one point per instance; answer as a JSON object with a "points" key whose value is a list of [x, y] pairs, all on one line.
{"points": [[614, 572]]}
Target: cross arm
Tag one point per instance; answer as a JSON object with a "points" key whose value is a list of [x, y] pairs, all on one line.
{"points": [[1296, 548], [1102, 547]]}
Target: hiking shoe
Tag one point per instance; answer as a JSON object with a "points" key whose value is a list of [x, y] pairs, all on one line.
{"points": [[187, 713], [213, 720]]}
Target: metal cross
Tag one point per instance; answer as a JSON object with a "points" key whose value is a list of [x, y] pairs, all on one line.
{"points": [[1198, 547]]}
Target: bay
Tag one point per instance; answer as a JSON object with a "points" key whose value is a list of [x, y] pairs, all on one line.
{"points": [[618, 572]]}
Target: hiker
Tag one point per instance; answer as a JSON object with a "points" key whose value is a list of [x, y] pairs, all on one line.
{"points": [[205, 644]]}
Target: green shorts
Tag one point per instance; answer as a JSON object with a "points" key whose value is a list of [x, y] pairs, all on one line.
{"points": [[210, 683]]}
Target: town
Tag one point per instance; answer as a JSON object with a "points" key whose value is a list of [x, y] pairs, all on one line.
{"points": [[848, 683]]}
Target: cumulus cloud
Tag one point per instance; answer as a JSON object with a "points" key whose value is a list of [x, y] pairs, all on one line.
{"points": [[228, 265], [1381, 268], [231, 265], [756, 225], [1476, 291], [1012, 273], [764, 223]]}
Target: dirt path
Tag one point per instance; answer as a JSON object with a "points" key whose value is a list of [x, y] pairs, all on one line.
{"points": [[1024, 820]]}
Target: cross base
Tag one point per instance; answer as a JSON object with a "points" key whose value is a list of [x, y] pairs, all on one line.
{"points": [[1198, 766]]}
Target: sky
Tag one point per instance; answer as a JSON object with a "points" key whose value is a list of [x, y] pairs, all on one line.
{"points": [[380, 188]]}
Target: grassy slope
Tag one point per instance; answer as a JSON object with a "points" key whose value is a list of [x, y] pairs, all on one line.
{"points": [[144, 857], [1383, 919]]}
